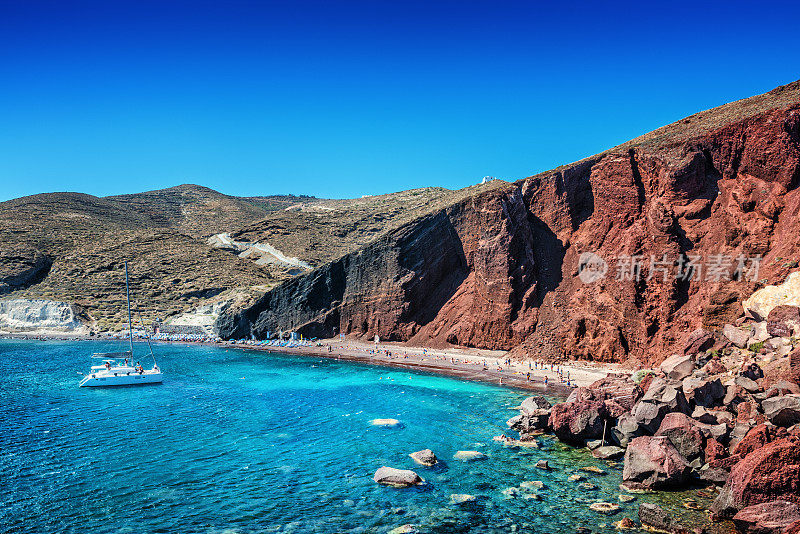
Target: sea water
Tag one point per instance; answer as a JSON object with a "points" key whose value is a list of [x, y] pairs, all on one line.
{"points": [[238, 441]]}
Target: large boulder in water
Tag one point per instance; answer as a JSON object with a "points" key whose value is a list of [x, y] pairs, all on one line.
{"points": [[766, 474], [424, 457], [654, 462], [398, 478], [533, 404], [577, 422]]}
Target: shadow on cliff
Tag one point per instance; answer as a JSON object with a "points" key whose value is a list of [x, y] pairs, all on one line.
{"points": [[435, 260], [575, 183], [548, 253]]}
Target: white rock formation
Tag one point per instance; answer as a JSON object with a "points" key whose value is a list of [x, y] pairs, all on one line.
{"points": [[762, 301], [203, 316], [261, 253], [39, 316]]}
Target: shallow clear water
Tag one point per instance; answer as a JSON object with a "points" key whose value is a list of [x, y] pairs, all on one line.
{"points": [[243, 441]]}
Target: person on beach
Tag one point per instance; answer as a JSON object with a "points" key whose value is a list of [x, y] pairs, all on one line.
{"points": [[545, 380], [529, 376]]}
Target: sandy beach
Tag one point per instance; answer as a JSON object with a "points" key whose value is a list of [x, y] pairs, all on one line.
{"points": [[460, 362]]}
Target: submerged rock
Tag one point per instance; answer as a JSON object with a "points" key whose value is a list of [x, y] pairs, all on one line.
{"points": [[593, 469], [626, 523], [462, 498], [602, 507], [398, 478], [386, 423], [469, 456], [656, 518]]}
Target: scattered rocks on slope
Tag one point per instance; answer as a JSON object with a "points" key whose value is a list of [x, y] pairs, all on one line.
{"points": [[678, 367], [783, 410], [736, 335], [684, 435]]}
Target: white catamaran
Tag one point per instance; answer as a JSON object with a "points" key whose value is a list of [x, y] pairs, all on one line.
{"points": [[117, 368]]}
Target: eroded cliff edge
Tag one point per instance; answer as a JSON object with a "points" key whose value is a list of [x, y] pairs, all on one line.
{"points": [[498, 269]]}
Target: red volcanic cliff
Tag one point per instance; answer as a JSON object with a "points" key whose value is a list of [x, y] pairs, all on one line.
{"points": [[499, 268]]}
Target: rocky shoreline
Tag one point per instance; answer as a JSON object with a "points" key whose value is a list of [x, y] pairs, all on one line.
{"points": [[724, 412]]}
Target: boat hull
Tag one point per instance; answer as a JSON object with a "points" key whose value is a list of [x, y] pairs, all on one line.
{"points": [[133, 379]]}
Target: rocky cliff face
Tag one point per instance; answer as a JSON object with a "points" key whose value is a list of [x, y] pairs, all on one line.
{"points": [[462, 275], [499, 269], [21, 315]]}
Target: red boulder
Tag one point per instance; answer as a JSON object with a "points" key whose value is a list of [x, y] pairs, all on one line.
{"points": [[766, 474], [576, 422], [767, 518], [757, 437], [653, 462]]}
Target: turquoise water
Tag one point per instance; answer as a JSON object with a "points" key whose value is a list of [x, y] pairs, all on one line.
{"points": [[243, 441]]}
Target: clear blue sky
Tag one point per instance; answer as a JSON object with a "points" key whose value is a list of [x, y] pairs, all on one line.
{"points": [[341, 99]]}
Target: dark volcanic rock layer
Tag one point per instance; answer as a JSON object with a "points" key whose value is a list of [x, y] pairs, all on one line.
{"points": [[442, 277], [499, 269]]}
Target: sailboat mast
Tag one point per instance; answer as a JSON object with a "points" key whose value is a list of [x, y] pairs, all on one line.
{"points": [[128, 292]]}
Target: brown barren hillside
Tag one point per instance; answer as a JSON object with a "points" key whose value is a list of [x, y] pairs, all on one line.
{"points": [[71, 246], [499, 268], [321, 231]]}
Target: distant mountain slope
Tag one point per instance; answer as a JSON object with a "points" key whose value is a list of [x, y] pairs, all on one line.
{"points": [[200, 211], [71, 246], [498, 268], [324, 230]]}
